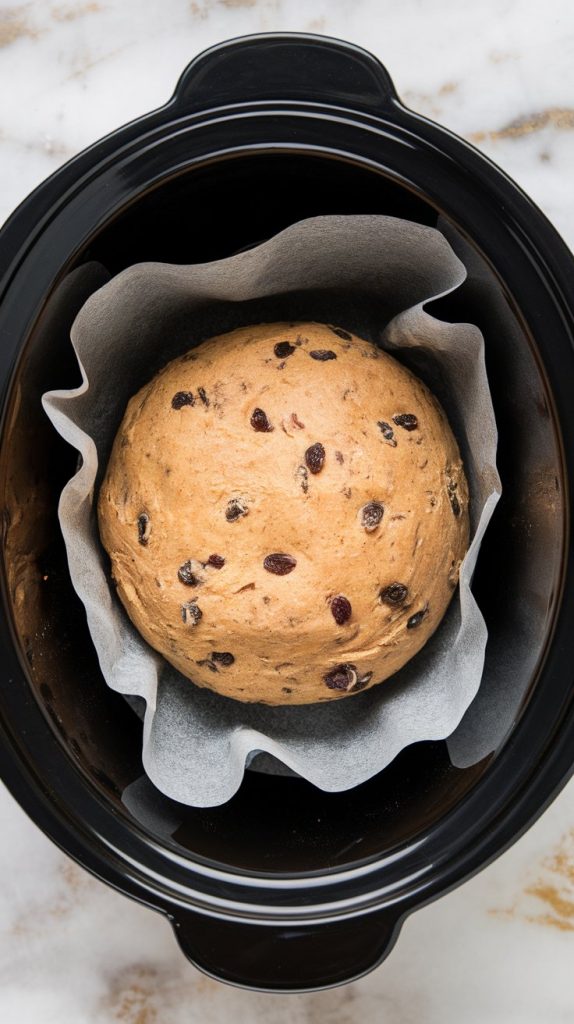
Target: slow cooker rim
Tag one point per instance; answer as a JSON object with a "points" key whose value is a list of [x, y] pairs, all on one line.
{"points": [[102, 851], [458, 142]]}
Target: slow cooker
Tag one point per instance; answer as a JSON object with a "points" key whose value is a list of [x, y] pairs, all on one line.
{"points": [[285, 887]]}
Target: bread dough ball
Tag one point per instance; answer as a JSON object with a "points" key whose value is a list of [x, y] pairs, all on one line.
{"points": [[285, 510]]}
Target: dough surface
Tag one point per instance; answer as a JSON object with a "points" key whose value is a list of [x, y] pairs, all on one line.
{"points": [[285, 510]]}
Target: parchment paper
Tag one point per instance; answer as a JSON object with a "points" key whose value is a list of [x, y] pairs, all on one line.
{"points": [[372, 275]]}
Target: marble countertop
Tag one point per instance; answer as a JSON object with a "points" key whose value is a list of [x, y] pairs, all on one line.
{"points": [[500, 948]]}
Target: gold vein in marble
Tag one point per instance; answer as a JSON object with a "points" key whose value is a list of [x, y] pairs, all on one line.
{"points": [[70, 13], [550, 897], [14, 25], [561, 118]]}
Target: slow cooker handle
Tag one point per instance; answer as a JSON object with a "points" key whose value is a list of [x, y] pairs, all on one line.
{"points": [[282, 958], [280, 67]]}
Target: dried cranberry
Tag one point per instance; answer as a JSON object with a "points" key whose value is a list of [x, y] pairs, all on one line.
{"points": [[387, 432], [394, 594], [341, 609], [260, 422], [144, 528], [182, 398], [371, 515], [235, 509], [186, 575], [279, 563], [416, 619], [341, 333], [315, 457], [322, 355], [342, 677], [216, 561], [283, 349], [406, 420], [190, 613], [203, 396], [223, 658]]}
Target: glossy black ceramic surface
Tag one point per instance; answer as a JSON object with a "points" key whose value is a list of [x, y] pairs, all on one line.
{"points": [[286, 887]]}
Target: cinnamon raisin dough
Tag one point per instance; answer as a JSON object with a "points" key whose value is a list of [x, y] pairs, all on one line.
{"points": [[285, 510]]}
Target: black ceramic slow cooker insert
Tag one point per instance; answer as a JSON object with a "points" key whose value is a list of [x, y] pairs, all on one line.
{"points": [[286, 887]]}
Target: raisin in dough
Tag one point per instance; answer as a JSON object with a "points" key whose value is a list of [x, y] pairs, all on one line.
{"points": [[285, 510]]}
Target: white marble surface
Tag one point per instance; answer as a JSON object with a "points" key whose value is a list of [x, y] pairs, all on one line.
{"points": [[499, 949]]}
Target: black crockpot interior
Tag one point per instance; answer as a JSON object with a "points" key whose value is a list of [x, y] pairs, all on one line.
{"points": [[272, 824]]}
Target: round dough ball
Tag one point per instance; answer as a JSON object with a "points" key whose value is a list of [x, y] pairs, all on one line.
{"points": [[285, 510]]}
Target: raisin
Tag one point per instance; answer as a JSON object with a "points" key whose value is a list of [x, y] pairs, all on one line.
{"points": [[406, 420], [371, 515], [304, 478], [144, 528], [190, 613], [387, 432], [203, 396], [342, 677], [186, 575], [286, 689], [235, 509], [182, 398], [260, 422], [322, 355], [315, 457], [416, 619], [223, 658], [341, 609], [279, 563], [283, 349], [341, 333], [216, 561], [395, 593], [208, 664]]}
